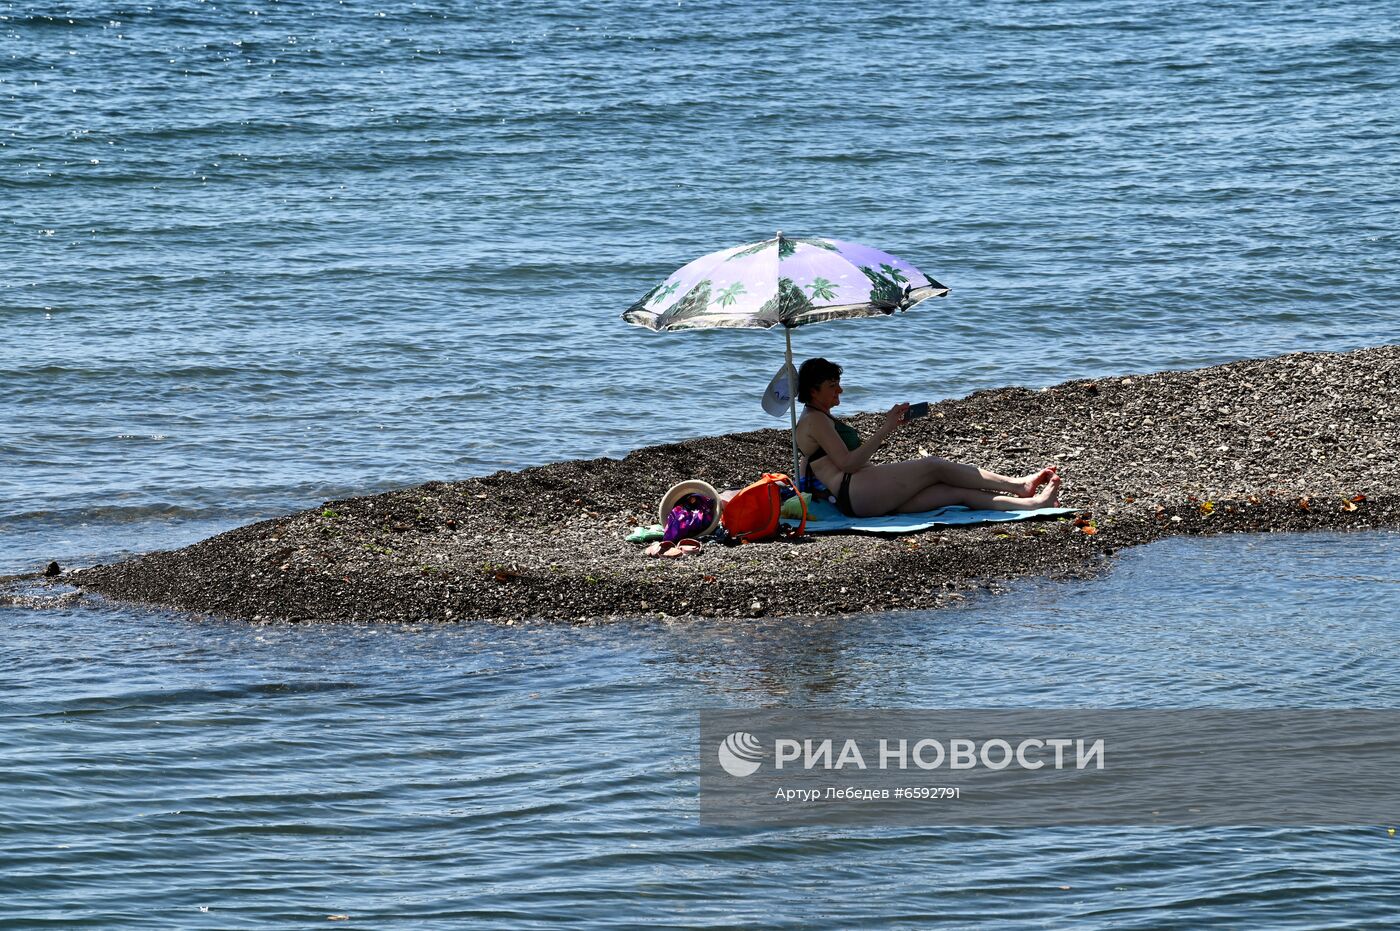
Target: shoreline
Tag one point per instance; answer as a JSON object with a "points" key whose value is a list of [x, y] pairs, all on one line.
{"points": [[1297, 442]]}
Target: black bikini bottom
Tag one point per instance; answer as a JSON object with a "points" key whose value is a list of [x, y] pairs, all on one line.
{"points": [[843, 497]]}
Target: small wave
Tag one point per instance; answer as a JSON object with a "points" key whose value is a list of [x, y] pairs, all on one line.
{"points": [[117, 514], [1354, 46], [158, 698], [155, 372], [52, 21], [859, 158], [39, 602]]}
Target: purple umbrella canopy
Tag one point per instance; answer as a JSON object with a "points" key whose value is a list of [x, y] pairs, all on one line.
{"points": [[787, 281]]}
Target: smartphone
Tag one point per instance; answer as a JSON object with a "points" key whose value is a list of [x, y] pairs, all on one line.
{"points": [[916, 411]]}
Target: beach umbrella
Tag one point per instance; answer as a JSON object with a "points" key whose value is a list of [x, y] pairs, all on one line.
{"points": [[787, 281]]}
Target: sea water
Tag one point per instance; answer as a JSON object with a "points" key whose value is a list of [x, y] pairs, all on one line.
{"points": [[261, 255]]}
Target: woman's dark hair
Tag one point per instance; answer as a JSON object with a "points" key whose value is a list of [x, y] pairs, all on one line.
{"points": [[811, 376]]}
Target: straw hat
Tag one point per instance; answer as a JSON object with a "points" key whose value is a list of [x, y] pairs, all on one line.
{"points": [[679, 491]]}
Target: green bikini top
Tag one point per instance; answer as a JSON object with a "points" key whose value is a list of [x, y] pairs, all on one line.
{"points": [[848, 435]]}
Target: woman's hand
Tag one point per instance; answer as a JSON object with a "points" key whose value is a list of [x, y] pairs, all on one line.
{"points": [[895, 418]]}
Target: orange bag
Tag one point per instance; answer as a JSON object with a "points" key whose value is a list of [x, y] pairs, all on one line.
{"points": [[753, 513]]}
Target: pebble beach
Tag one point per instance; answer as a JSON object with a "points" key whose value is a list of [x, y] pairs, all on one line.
{"points": [[1297, 442]]}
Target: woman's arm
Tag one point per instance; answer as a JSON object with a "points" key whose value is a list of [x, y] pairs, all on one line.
{"points": [[853, 460]]}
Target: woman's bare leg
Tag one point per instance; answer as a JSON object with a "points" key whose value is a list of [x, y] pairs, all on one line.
{"points": [[941, 496], [962, 475], [883, 488], [900, 487]]}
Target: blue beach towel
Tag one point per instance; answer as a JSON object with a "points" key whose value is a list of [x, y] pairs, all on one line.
{"points": [[823, 517]]}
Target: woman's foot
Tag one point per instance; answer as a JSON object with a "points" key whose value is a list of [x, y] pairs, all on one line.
{"points": [[1030, 484], [1049, 492]]}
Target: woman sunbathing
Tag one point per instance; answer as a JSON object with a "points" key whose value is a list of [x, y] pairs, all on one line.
{"points": [[835, 455]]}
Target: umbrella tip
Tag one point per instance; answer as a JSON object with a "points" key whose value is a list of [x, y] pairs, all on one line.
{"points": [[780, 234]]}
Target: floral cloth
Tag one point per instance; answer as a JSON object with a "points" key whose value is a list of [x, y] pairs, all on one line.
{"points": [[690, 516]]}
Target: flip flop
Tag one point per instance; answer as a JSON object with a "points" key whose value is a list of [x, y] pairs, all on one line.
{"points": [[662, 548], [689, 546]]}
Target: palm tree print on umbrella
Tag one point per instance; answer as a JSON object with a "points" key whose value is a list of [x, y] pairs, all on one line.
{"points": [[749, 285], [884, 290], [730, 294], [823, 289], [643, 301], [752, 250], [789, 301], [693, 304], [663, 293], [786, 246], [786, 249]]}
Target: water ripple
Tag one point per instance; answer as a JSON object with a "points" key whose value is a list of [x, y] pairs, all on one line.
{"points": [[262, 258]]}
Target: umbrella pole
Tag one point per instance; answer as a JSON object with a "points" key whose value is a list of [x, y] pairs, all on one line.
{"points": [[792, 404]]}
